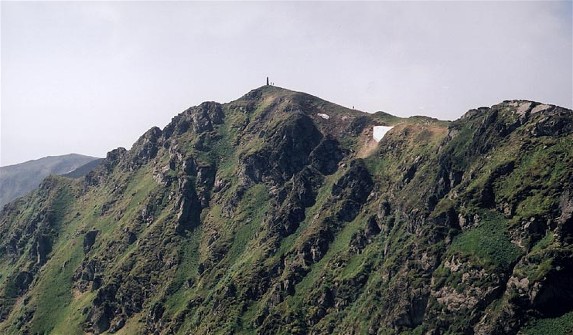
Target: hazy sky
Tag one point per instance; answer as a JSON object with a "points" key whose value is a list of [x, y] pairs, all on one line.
{"points": [[87, 77]]}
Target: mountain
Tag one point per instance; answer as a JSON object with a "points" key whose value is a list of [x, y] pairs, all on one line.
{"points": [[84, 169], [279, 213], [19, 179]]}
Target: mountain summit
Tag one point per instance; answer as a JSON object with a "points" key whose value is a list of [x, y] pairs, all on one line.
{"points": [[281, 213]]}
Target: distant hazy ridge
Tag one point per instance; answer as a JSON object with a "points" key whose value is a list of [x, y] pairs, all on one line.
{"points": [[19, 179]]}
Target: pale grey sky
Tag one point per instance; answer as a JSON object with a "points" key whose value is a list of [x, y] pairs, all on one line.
{"points": [[87, 77]]}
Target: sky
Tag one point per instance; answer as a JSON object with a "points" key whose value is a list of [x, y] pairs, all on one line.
{"points": [[87, 77]]}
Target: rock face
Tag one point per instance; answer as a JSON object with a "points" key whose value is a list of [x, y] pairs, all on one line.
{"points": [[264, 216]]}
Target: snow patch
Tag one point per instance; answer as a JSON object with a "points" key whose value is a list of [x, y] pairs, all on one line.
{"points": [[324, 116], [379, 132]]}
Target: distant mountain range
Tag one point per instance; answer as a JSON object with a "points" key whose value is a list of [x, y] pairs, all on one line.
{"points": [[19, 179], [282, 213]]}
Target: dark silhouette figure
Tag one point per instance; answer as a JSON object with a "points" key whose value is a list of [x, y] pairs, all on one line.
{"points": [[267, 81]]}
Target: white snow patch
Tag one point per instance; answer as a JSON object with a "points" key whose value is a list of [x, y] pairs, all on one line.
{"points": [[379, 132], [324, 116]]}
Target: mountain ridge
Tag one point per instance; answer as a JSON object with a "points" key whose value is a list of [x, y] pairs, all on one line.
{"points": [[19, 179], [262, 216]]}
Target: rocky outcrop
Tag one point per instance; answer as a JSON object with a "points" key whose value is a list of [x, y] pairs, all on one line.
{"points": [[286, 151], [89, 240], [352, 190], [145, 148], [200, 119]]}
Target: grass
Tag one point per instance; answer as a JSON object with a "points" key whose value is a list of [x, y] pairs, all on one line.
{"points": [[56, 307], [53, 294], [186, 270], [544, 243], [562, 325], [489, 242], [537, 178], [57, 311], [459, 146], [254, 206]]}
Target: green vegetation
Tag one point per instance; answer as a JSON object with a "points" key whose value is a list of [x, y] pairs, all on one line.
{"points": [[257, 216], [562, 325], [489, 242], [55, 290]]}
